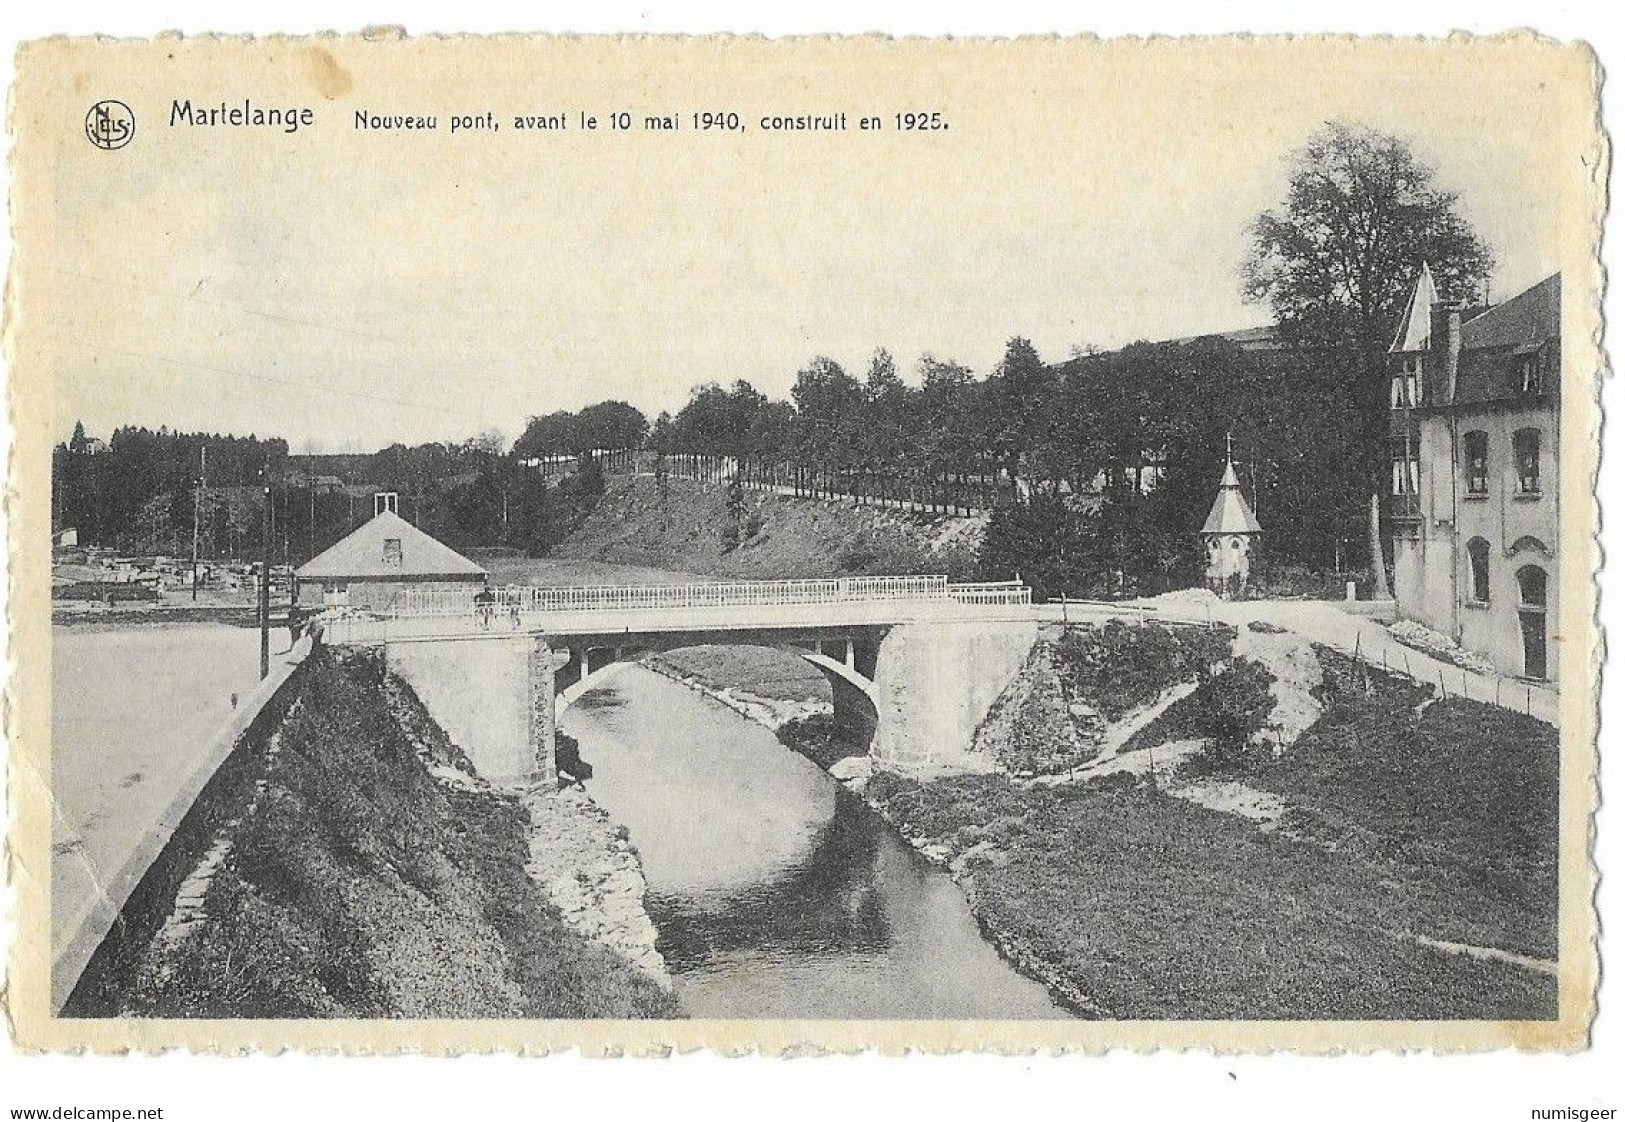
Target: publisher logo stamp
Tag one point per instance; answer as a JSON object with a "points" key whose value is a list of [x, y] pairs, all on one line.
{"points": [[110, 124]]}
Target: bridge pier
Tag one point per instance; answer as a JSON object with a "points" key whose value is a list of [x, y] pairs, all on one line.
{"points": [[492, 696], [934, 684]]}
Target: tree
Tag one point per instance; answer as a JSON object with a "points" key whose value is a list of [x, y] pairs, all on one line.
{"points": [[157, 530], [887, 447], [1018, 396], [829, 405], [1362, 213], [1335, 262], [489, 442]]}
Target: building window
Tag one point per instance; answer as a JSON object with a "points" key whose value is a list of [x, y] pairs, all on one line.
{"points": [[392, 551], [1532, 620], [1531, 372], [1532, 588], [1406, 472], [1406, 478], [1475, 450], [1406, 388], [1526, 445], [1478, 568]]}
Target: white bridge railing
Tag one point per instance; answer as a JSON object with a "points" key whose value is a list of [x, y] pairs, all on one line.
{"points": [[511, 600]]}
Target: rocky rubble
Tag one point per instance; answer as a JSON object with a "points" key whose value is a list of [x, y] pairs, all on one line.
{"points": [[1035, 728], [1428, 641], [1297, 673], [771, 712], [590, 870]]}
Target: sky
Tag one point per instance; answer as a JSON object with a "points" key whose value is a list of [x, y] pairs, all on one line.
{"points": [[349, 289]]}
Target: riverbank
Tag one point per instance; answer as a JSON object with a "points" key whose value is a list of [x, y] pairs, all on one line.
{"points": [[1380, 855], [772, 688], [586, 863], [1238, 824], [359, 868]]}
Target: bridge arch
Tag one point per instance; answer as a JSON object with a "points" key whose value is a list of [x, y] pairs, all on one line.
{"points": [[856, 700]]}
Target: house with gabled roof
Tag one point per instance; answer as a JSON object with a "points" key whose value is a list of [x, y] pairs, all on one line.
{"points": [[371, 566], [1474, 451]]}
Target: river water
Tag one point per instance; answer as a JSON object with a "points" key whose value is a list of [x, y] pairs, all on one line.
{"points": [[776, 892]]}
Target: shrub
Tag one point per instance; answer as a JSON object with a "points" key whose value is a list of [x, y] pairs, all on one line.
{"points": [[1118, 667], [1234, 706], [857, 554], [820, 739]]}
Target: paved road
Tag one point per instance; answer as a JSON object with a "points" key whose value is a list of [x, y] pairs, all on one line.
{"points": [[1326, 623], [138, 716]]}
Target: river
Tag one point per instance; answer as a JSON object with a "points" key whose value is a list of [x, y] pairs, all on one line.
{"points": [[778, 893]]}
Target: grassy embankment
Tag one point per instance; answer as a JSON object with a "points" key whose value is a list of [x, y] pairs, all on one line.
{"points": [[689, 526], [370, 875], [1401, 823], [1400, 826]]}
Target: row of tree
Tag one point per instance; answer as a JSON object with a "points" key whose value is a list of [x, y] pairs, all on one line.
{"points": [[162, 492], [1105, 464]]}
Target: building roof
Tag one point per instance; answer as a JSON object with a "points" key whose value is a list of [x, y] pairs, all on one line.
{"points": [[1416, 325], [1230, 513], [362, 555], [1265, 338], [1496, 345], [1254, 340], [1532, 316]]}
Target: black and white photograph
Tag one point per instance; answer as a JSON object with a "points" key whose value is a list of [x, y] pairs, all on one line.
{"points": [[918, 543]]}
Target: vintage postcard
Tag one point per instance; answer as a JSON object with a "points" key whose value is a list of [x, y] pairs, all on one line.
{"points": [[657, 543]]}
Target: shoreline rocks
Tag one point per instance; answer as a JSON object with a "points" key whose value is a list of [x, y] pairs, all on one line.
{"points": [[771, 713], [586, 863]]}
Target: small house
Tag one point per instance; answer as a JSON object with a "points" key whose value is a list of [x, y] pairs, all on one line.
{"points": [[1229, 536]]}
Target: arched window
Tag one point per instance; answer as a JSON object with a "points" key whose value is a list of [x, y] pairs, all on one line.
{"points": [[1475, 454], [1526, 447], [1478, 567], [1532, 587]]}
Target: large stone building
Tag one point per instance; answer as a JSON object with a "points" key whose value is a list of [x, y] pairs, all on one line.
{"points": [[1474, 431], [374, 564]]}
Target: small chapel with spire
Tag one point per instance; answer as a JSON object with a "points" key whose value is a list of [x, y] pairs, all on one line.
{"points": [[1230, 533]]}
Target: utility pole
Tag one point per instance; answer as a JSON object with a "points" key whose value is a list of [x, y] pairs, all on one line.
{"points": [[265, 583], [197, 512]]}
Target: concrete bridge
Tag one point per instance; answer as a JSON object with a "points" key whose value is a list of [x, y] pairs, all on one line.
{"points": [[913, 662]]}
